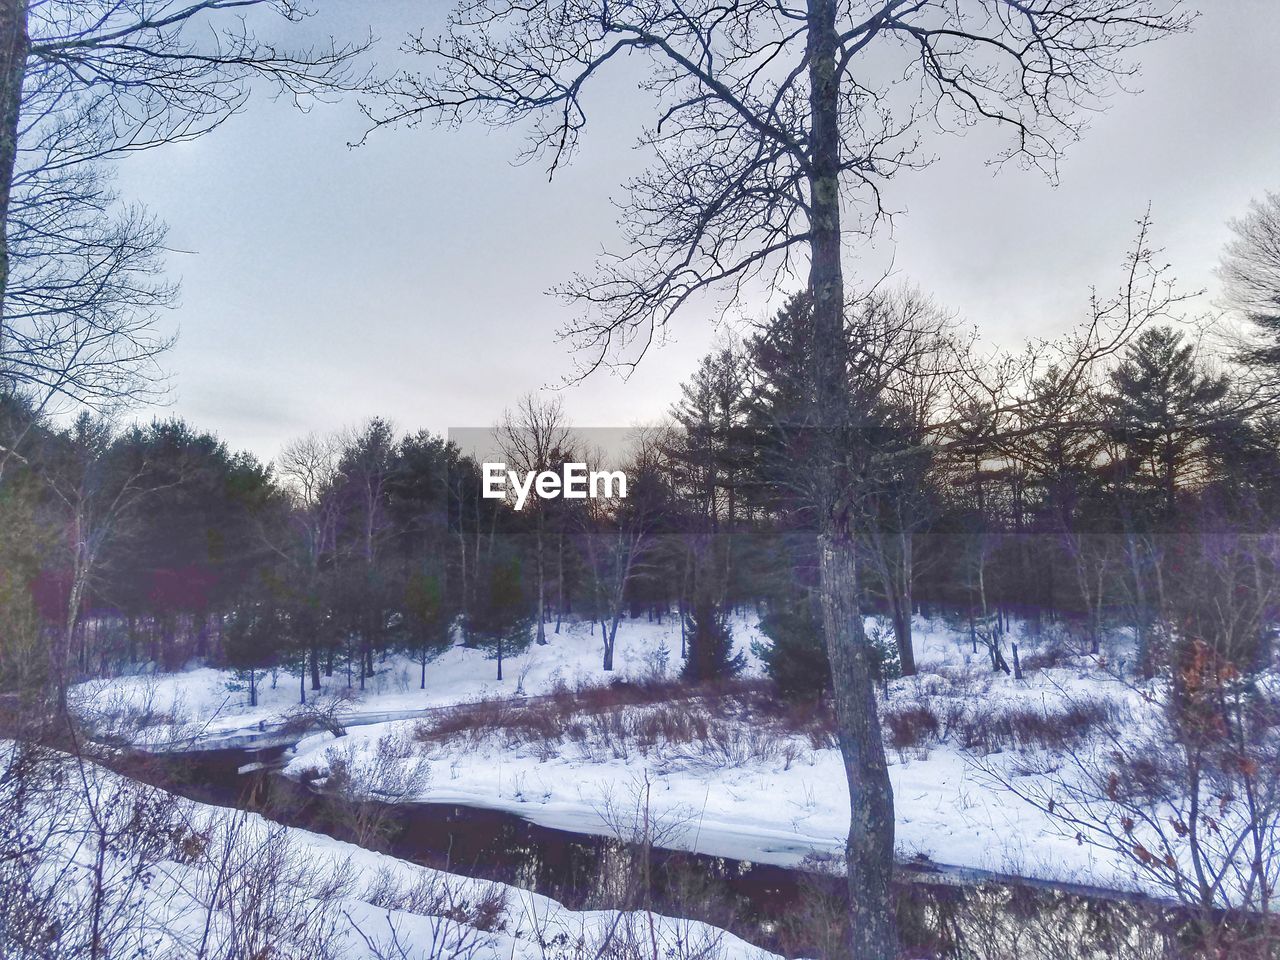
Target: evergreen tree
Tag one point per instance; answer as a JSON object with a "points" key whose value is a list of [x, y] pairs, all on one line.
{"points": [[502, 619], [710, 641], [795, 657], [1159, 404], [255, 635], [427, 620]]}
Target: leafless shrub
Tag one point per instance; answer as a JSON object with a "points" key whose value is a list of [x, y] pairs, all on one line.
{"points": [[114, 714], [818, 926], [431, 938], [729, 727], [450, 924], [78, 852], [626, 884], [955, 683], [362, 787], [639, 935], [1189, 800], [1049, 655], [326, 711], [912, 727], [265, 896], [436, 894], [1030, 727]]}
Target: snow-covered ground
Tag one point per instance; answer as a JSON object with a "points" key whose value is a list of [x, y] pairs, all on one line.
{"points": [[785, 804], [208, 705], [191, 880], [780, 806]]}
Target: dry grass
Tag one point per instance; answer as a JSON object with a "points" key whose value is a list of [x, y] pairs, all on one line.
{"points": [[971, 724], [726, 726], [744, 722]]}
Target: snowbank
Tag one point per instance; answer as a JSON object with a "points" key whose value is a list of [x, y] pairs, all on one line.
{"points": [[194, 880]]}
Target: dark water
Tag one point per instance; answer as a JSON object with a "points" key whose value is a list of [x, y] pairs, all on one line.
{"points": [[792, 911]]}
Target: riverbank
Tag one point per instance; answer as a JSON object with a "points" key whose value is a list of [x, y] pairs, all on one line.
{"points": [[193, 879], [797, 912], [732, 773], [209, 708]]}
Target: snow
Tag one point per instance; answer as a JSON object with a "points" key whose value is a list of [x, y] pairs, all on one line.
{"points": [[781, 810], [169, 913], [209, 707], [793, 807]]}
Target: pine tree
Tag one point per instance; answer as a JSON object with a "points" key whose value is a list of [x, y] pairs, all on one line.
{"points": [[710, 640], [502, 620], [795, 658], [253, 639], [427, 620], [1161, 408]]}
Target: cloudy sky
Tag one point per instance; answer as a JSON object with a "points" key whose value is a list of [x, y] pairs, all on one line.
{"points": [[406, 278]]}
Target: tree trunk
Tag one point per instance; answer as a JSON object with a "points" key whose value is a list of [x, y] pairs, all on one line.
{"points": [[1142, 639], [14, 47], [465, 605], [872, 930], [610, 640], [902, 636], [902, 625], [542, 589], [65, 642], [559, 582], [869, 849]]}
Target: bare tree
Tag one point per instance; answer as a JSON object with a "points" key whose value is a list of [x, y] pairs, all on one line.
{"points": [[1250, 272], [619, 534], [309, 468], [536, 437], [902, 355], [14, 48], [774, 120], [83, 290], [99, 480], [84, 82]]}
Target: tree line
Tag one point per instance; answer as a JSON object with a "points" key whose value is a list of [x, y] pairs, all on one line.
{"points": [[1137, 494]]}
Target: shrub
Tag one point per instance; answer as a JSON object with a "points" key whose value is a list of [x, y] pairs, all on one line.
{"points": [[710, 637], [1029, 727], [796, 657], [888, 660], [911, 727], [730, 725]]}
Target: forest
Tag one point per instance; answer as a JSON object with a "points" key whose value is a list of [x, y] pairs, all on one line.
{"points": [[901, 631], [1131, 491]]}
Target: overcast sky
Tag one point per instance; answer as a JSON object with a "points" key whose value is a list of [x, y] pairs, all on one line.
{"points": [[323, 285]]}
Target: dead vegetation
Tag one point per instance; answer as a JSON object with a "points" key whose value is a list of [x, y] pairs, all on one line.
{"points": [[973, 725], [725, 726], [744, 721]]}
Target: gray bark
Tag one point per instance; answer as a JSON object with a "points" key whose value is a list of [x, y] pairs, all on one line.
{"points": [[14, 46], [871, 826]]}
